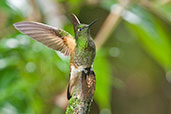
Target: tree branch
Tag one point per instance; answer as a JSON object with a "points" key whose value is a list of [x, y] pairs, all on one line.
{"points": [[83, 93]]}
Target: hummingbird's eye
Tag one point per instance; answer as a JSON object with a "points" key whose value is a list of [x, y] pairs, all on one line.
{"points": [[80, 29]]}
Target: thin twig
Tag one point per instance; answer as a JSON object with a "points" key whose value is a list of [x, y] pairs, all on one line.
{"points": [[110, 23]]}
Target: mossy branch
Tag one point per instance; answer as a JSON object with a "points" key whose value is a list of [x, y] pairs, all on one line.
{"points": [[83, 93]]}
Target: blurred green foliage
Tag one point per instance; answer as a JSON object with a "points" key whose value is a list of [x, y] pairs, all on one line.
{"points": [[132, 68], [153, 35]]}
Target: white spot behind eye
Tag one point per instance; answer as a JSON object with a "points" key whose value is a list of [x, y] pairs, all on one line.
{"points": [[80, 29]]}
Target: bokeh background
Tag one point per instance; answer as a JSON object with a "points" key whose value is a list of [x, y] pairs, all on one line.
{"points": [[132, 66]]}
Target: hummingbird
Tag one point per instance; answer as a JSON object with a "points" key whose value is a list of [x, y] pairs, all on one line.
{"points": [[81, 48]]}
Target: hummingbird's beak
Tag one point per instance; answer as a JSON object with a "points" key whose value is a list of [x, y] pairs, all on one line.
{"points": [[92, 23]]}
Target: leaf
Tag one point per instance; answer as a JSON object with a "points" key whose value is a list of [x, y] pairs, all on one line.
{"points": [[103, 80], [152, 35]]}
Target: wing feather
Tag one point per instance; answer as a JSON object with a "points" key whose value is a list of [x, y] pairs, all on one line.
{"points": [[52, 37]]}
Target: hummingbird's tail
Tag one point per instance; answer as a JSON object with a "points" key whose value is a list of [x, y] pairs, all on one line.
{"points": [[82, 80]]}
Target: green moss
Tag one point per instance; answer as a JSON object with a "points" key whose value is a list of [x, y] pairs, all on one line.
{"points": [[75, 104]]}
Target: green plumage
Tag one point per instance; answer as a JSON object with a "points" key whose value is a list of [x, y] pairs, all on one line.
{"points": [[85, 50]]}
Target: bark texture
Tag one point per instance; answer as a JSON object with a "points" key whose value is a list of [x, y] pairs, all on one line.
{"points": [[83, 93]]}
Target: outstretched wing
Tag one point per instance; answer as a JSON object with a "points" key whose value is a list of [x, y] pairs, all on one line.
{"points": [[52, 37]]}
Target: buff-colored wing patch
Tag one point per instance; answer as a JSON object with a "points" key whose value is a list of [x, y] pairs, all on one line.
{"points": [[51, 37]]}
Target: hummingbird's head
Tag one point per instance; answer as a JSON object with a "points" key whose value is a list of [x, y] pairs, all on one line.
{"points": [[82, 29], [79, 28]]}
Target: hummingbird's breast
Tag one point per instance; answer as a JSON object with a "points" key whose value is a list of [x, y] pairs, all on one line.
{"points": [[84, 57]]}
